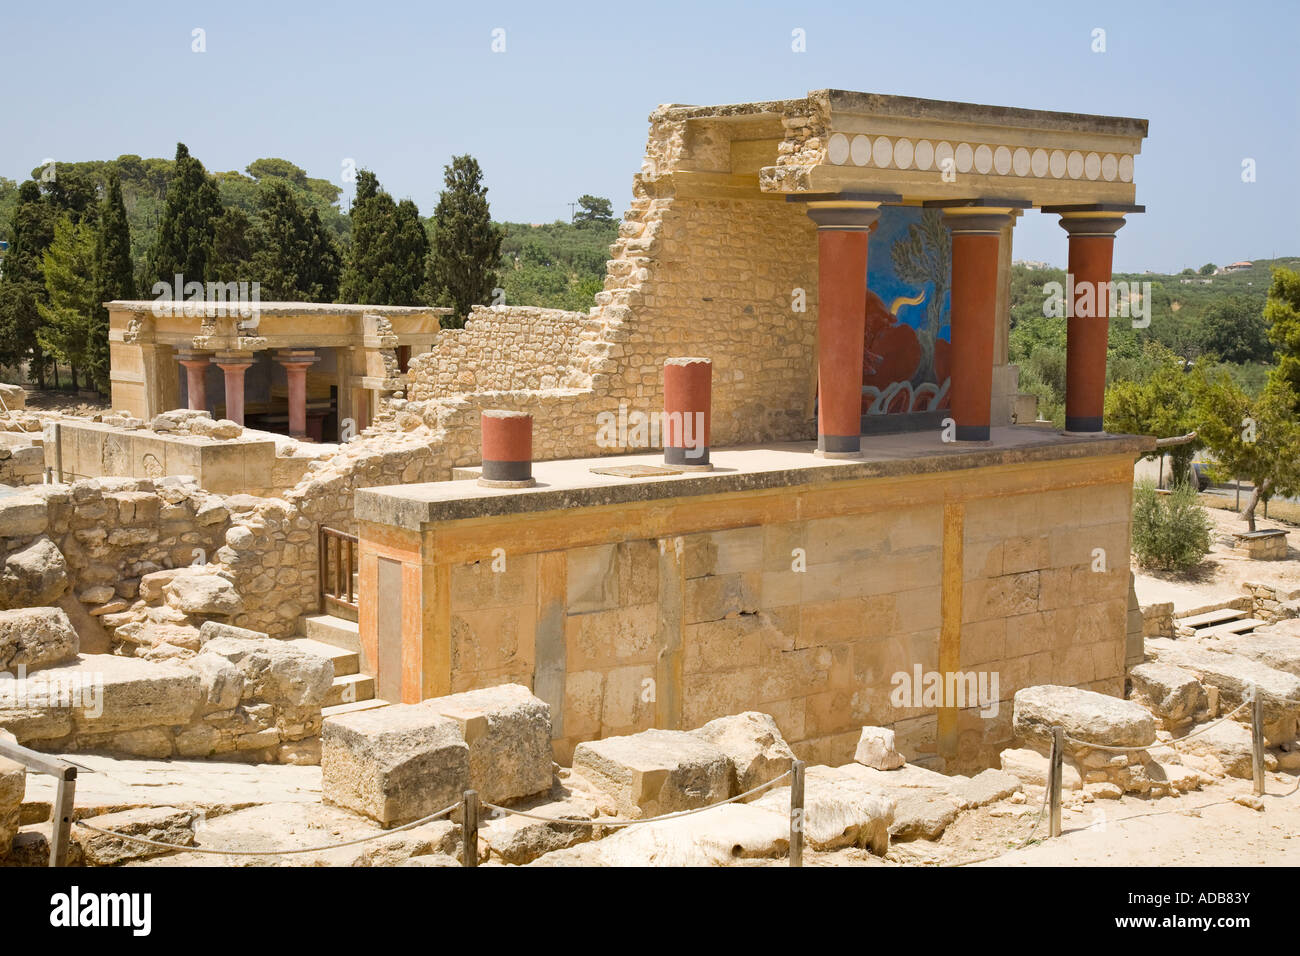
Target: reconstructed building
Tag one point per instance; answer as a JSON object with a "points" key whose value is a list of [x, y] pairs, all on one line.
{"points": [[879, 510], [297, 368]]}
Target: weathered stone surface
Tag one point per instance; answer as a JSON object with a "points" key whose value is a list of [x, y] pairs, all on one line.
{"points": [[655, 771], [518, 840], [987, 786], [922, 815], [13, 784], [838, 812], [1277, 647], [1228, 743], [275, 671], [1234, 675], [1084, 716], [133, 693], [221, 682], [876, 749], [754, 743], [1174, 695], [35, 637], [23, 515], [162, 824], [1030, 767], [210, 630], [719, 837], [34, 575], [508, 731], [202, 592], [395, 764]]}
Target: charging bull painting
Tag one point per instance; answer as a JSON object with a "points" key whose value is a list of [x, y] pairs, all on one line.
{"points": [[905, 355]]}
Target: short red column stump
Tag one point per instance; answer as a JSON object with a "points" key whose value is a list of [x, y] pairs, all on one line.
{"points": [[507, 449], [688, 405]]}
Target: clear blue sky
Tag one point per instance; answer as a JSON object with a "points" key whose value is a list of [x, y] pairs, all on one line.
{"points": [[401, 87]]}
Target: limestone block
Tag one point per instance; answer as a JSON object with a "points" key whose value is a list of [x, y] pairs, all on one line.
{"points": [[1030, 767], [1083, 715], [1277, 647], [36, 637], [213, 629], [394, 764], [717, 838], [276, 672], [518, 840], [23, 515], [655, 772], [163, 824], [754, 744], [1172, 694], [13, 785], [987, 786], [1234, 675], [197, 591], [1229, 743], [128, 693], [34, 575], [837, 813], [876, 749], [922, 815], [508, 731], [221, 682]]}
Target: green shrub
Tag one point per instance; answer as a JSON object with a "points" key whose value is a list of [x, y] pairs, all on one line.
{"points": [[1171, 532]]}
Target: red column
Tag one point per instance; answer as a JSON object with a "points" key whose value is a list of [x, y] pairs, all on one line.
{"points": [[196, 367], [1092, 242], [296, 362], [975, 234], [842, 229], [507, 449], [688, 399], [234, 365]]}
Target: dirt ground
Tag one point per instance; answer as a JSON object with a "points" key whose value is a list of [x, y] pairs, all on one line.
{"points": [[67, 403]]}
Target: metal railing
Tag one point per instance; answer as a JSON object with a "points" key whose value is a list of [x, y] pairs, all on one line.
{"points": [[338, 560], [65, 793]]}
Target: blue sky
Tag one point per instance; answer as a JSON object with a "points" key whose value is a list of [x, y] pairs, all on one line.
{"points": [[401, 87]]}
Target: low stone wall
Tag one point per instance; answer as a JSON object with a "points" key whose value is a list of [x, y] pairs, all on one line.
{"points": [[22, 460], [242, 695], [1271, 603], [1158, 620], [1260, 545]]}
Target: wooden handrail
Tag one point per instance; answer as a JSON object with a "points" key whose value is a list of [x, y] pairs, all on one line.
{"points": [[342, 551]]}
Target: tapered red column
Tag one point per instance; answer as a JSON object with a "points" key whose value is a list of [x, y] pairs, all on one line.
{"points": [[975, 237], [688, 399], [1092, 244], [842, 230], [296, 362], [234, 365], [196, 368]]}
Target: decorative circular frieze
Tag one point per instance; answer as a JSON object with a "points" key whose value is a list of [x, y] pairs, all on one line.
{"points": [[903, 153], [1056, 163], [1039, 162], [882, 152], [1109, 167], [1126, 169], [1002, 160], [860, 150], [964, 157], [837, 149], [983, 159], [1092, 165], [924, 154]]}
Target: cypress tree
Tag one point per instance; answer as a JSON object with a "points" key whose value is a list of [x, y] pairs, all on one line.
{"points": [[466, 245], [22, 288], [69, 270], [385, 263], [114, 277], [296, 259], [187, 232]]}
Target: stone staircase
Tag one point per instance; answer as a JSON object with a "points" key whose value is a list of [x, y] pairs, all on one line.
{"points": [[339, 640], [1217, 622]]}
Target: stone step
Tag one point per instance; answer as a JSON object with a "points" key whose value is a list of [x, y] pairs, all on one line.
{"points": [[1218, 616], [349, 689], [345, 661], [336, 631], [352, 708], [1232, 627]]}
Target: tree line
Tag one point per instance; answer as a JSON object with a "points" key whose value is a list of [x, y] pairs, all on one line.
{"points": [[81, 234]]}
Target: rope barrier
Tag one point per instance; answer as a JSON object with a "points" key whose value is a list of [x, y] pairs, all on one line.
{"points": [[628, 823], [310, 849]]}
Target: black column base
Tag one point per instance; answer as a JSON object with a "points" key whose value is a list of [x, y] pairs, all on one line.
{"points": [[1083, 424], [971, 433]]}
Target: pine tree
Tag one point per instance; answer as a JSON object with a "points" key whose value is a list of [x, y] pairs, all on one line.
{"points": [[114, 277], [385, 263], [1282, 312], [69, 270], [188, 228], [466, 245], [233, 245]]}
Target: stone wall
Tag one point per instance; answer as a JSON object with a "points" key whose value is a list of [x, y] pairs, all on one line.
{"points": [[503, 349], [22, 460], [1018, 576], [1271, 603]]}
